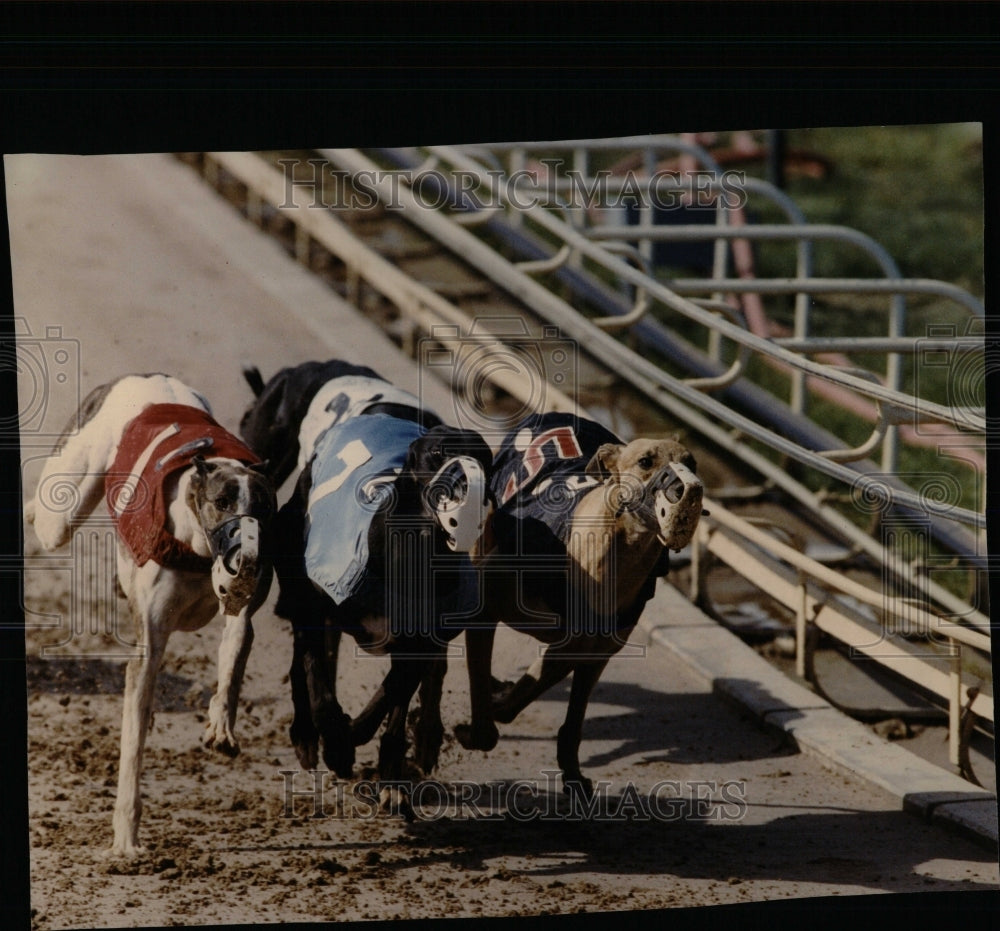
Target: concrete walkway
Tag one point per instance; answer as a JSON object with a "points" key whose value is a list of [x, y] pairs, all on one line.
{"points": [[740, 675]]}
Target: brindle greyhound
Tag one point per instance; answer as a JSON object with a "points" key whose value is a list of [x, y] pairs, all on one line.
{"points": [[581, 533], [373, 542], [190, 506]]}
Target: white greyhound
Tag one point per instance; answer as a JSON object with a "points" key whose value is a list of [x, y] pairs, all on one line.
{"points": [[188, 500]]}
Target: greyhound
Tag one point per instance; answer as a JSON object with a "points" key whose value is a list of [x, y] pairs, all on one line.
{"points": [[373, 541], [582, 530], [191, 507]]}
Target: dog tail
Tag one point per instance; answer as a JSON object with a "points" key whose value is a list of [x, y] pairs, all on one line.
{"points": [[254, 379]]}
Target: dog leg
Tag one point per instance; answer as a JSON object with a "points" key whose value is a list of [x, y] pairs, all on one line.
{"points": [[303, 733], [400, 684], [550, 668], [585, 677], [366, 723], [481, 733], [428, 732], [328, 719], [140, 682], [234, 651]]}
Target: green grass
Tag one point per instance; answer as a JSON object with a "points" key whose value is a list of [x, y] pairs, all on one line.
{"points": [[918, 190]]}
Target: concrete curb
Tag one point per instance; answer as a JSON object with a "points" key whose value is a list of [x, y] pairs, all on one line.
{"points": [[741, 676]]}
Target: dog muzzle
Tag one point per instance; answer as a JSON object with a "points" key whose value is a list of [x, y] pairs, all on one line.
{"points": [[457, 499], [670, 505], [236, 563]]}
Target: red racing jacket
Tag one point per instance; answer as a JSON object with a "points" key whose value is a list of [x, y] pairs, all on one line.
{"points": [[158, 443]]}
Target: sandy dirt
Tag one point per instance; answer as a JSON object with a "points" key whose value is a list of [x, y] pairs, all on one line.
{"points": [[699, 806]]}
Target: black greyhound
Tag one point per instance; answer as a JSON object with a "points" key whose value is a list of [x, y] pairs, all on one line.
{"points": [[372, 541]]}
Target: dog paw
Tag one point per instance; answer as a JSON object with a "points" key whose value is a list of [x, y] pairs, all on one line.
{"points": [[339, 758], [499, 688], [307, 751], [427, 748], [394, 800], [578, 787], [124, 850], [222, 741], [473, 738]]}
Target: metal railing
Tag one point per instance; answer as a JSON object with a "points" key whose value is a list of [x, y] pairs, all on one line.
{"points": [[486, 259], [723, 233], [955, 620]]}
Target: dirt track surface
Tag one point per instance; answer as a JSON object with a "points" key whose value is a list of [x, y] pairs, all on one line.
{"points": [[157, 275]]}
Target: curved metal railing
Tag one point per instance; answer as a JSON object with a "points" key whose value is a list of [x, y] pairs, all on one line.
{"points": [[571, 241]]}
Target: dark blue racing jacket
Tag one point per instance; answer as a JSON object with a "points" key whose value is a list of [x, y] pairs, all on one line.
{"points": [[539, 478]]}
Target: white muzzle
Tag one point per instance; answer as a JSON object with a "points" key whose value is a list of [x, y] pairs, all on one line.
{"points": [[457, 499], [677, 507]]}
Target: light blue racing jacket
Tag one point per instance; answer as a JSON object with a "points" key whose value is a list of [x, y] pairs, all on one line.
{"points": [[354, 469]]}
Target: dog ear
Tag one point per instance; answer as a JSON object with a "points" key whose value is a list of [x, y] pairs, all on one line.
{"points": [[203, 468], [687, 459], [413, 456], [478, 448], [261, 467], [604, 461]]}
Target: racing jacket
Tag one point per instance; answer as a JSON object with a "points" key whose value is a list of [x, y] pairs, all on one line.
{"points": [[539, 478], [354, 468], [158, 443]]}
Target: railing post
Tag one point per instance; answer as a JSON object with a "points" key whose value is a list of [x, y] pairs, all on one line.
{"points": [[646, 215], [801, 622], [894, 377], [255, 211], [698, 562], [955, 703], [517, 162], [720, 257]]}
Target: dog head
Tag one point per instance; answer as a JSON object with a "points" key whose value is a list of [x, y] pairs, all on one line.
{"points": [[451, 467], [652, 485], [233, 503], [270, 425]]}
